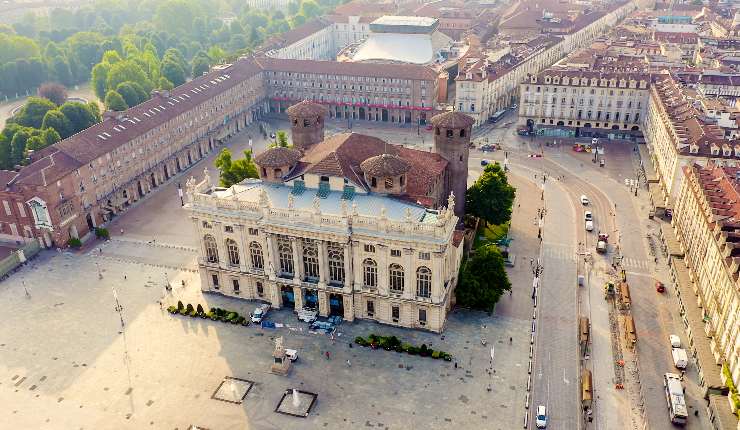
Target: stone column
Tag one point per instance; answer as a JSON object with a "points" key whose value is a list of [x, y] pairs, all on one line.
{"points": [[349, 307], [347, 269], [243, 249], [409, 275], [357, 278], [323, 303], [438, 276], [382, 251], [322, 263], [298, 256], [298, 298], [223, 255], [270, 259], [294, 244]]}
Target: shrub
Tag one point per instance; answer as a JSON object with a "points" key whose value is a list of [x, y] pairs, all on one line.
{"points": [[73, 242], [412, 350], [360, 341], [172, 309], [179, 305], [398, 348], [372, 338], [405, 347], [424, 351], [183, 311], [435, 355], [231, 315], [447, 357], [213, 317], [240, 320], [189, 308], [102, 233], [393, 342], [193, 313], [199, 309]]}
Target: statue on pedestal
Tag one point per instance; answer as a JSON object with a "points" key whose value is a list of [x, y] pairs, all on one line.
{"points": [[281, 363]]}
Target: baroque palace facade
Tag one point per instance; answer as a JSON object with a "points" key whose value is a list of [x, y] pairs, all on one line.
{"points": [[69, 188], [348, 225]]}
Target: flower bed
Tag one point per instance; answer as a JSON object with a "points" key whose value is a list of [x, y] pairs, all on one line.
{"points": [[392, 343], [215, 314]]}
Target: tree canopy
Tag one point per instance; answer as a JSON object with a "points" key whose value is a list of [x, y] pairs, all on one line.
{"points": [[491, 197], [234, 171], [482, 279]]}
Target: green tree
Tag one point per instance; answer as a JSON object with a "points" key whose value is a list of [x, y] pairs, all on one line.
{"points": [[32, 113], [51, 136], [79, 115], [35, 143], [216, 54], [114, 101], [235, 171], [482, 279], [201, 64], [164, 84], [128, 71], [175, 16], [94, 109], [310, 9], [282, 139], [111, 57], [56, 120], [491, 197], [59, 70], [129, 93], [173, 72], [18, 146], [14, 47], [5, 163], [100, 78]]}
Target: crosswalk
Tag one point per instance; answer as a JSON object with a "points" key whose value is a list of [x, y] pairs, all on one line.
{"points": [[554, 251]]}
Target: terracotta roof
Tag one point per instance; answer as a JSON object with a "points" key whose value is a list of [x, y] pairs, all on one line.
{"points": [[341, 155], [306, 109], [378, 70], [48, 169], [6, 176], [364, 7], [278, 157], [453, 119], [385, 165]]}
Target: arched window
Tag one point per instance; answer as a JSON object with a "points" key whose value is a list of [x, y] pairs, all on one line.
{"points": [[423, 282], [255, 255], [370, 273], [285, 255], [211, 248], [233, 250], [395, 278], [336, 264], [311, 260]]}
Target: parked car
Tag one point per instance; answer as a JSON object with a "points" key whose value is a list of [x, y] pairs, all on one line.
{"points": [[307, 315], [584, 200], [514, 106], [488, 147], [680, 358], [484, 162], [259, 313], [292, 354], [541, 417], [589, 225], [659, 287], [588, 216], [675, 341]]}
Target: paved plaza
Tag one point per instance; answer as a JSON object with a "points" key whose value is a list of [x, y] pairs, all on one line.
{"points": [[71, 360]]}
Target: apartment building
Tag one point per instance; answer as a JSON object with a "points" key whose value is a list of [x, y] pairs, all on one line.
{"points": [[313, 40], [574, 102], [705, 222]]}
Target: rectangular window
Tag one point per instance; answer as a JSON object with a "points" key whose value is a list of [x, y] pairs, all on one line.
{"points": [[235, 284], [253, 231], [395, 252], [369, 248], [395, 313], [229, 229], [214, 280], [260, 289], [424, 256], [21, 209], [7, 208], [370, 308], [422, 316]]}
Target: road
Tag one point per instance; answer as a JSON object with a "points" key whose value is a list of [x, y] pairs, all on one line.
{"points": [[656, 316]]}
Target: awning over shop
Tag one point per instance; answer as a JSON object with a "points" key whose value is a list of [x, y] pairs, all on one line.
{"points": [[670, 241], [708, 368], [722, 416]]}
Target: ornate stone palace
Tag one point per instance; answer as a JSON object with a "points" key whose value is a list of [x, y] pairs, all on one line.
{"points": [[348, 225]]}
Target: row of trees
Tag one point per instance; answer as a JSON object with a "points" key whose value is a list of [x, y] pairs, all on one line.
{"points": [[42, 122]]}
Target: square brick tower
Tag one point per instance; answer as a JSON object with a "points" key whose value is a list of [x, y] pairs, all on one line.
{"points": [[451, 141]]}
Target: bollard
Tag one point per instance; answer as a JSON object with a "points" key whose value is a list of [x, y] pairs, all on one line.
{"points": [[526, 417], [526, 401], [535, 301], [529, 370], [534, 314]]}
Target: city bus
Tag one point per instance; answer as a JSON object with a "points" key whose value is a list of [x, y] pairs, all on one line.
{"points": [[674, 397], [496, 116]]}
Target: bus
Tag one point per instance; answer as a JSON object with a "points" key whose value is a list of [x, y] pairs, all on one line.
{"points": [[674, 397], [496, 116]]}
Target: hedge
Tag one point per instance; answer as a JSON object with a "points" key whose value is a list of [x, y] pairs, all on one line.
{"points": [[215, 314], [393, 343]]}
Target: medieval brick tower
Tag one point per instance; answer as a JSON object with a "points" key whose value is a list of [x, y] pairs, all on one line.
{"points": [[451, 141], [307, 124]]}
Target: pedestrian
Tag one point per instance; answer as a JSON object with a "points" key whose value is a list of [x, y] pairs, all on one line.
{"points": [[121, 232], [348, 363], [160, 305], [456, 365], [696, 413], [511, 340], [327, 355], [124, 277], [510, 292]]}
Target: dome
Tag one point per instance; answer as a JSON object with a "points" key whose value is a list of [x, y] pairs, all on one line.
{"points": [[385, 165], [452, 119], [278, 157], [306, 109]]}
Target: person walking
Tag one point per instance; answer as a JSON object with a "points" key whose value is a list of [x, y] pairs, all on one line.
{"points": [[348, 363], [327, 355]]}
